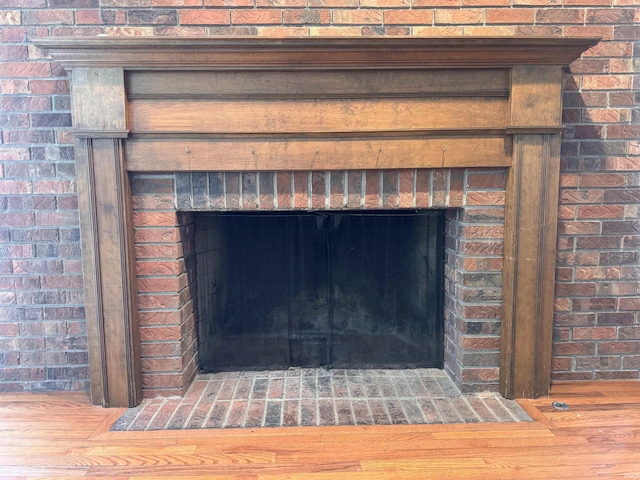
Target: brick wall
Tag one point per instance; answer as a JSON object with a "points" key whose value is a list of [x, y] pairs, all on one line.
{"points": [[42, 332]]}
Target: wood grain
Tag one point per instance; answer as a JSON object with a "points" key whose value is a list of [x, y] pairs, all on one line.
{"points": [[536, 91], [529, 263], [109, 229], [62, 435], [262, 85], [98, 99], [253, 53], [271, 154], [316, 116]]}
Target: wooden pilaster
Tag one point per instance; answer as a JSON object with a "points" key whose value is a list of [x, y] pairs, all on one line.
{"points": [[530, 232], [107, 237]]}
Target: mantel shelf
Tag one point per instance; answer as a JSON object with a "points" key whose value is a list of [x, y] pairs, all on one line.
{"points": [[255, 53]]}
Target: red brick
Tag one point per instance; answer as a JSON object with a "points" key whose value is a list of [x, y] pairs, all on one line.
{"points": [[606, 82], [482, 181], [205, 17], [600, 211], [619, 347], [480, 374], [630, 303], [469, 16], [408, 17], [594, 333], [587, 3], [159, 268], [170, 251], [154, 219], [510, 16], [561, 364], [538, 31], [385, 3], [559, 15], [602, 180], [485, 198], [574, 348], [610, 15], [482, 311], [624, 131], [406, 196], [162, 381], [332, 3], [306, 16], [256, 17], [575, 289], [300, 189], [610, 49], [359, 17], [25, 69], [372, 189], [47, 17], [483, 231], [597, 273], [481, 343]]}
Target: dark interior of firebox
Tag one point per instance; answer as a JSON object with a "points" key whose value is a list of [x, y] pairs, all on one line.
{"points": [[341, 289]]}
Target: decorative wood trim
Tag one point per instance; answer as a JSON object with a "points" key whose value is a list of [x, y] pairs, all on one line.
{"points": [[304, 85], [116, 276], [103, 88], [251, 53], [99, 117], [536, 93], [529, 266], [100, 133], [525, 130], [315, 116], [252, 153], [85, 179]]}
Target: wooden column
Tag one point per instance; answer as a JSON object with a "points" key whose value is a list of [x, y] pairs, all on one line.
{"points": [[106, 227], [530, 231]]}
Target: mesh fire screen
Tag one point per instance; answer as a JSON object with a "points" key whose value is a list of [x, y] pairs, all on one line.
{"points": [[337, 289]]}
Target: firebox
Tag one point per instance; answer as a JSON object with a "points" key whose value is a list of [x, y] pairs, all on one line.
{"points": [[347, 289]]}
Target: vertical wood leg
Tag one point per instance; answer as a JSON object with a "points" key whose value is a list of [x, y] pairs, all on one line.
{"points": [[529, 266], [109, 273]]}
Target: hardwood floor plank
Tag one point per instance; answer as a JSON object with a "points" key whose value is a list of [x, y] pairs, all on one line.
{"points": [[61, 436]]}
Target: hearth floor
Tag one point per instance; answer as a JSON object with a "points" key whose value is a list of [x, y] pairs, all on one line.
{"points": [[317, 396]]}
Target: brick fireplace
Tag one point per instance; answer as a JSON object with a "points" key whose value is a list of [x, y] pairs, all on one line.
{"points": [[168, 127], [164, 205]]}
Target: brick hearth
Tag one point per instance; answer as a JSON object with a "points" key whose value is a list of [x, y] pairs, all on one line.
{"points": [[163, 206], [308, 397]]}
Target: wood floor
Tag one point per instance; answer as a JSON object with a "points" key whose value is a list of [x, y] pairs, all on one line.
{"points": [[61, 435]]}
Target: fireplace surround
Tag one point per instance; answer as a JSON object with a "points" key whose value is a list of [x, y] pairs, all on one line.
{"points": [[148, 109]]}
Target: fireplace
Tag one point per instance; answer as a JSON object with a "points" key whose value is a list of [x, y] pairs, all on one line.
{"points": [[464, 124], [338, 289]]}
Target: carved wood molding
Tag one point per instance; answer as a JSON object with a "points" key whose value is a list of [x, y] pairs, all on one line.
{"points": [[145, 104], [250, 53]]}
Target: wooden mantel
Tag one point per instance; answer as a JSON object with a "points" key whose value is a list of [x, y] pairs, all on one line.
{"points": [[239, 104]]}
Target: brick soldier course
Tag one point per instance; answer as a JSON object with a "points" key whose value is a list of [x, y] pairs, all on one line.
{"points": [[597, 327]]}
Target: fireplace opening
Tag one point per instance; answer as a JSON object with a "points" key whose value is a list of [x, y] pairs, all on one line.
{"points": [[346, 289]]}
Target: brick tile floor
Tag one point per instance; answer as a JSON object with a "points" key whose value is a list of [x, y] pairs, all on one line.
{"points": [[317, 396]]}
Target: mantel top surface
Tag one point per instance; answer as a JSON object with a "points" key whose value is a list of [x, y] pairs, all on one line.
{"points": [[174, 53]]}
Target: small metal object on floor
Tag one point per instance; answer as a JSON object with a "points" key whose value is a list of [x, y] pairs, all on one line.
{"points": [[560, 405], [317, 396]]}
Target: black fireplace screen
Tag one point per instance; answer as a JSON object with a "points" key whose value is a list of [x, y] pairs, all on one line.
{"points": [[336, 289]]}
